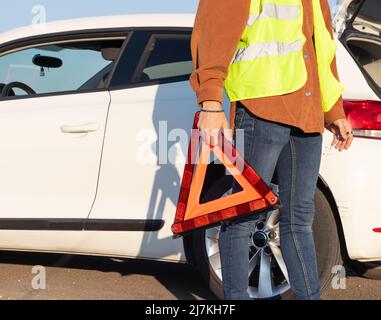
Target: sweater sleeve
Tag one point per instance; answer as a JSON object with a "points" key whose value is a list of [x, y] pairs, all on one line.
{"points": [[337, 111], [218, 27]]}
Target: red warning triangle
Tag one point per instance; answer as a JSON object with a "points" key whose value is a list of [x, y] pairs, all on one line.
{"points": [[256, 196]]}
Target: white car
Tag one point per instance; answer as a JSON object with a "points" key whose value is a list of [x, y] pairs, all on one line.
{"points": [[83, 104]]}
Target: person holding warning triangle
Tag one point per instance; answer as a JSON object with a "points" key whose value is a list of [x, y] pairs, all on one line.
{"points": [[276, 61]]}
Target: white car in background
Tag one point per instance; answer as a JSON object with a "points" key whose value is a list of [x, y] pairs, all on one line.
{"points": [[83, 103]]}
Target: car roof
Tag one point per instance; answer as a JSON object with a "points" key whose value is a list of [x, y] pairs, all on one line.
{"points": [[101, 22]]}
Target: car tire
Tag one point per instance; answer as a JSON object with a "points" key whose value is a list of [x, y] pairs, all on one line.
{"points": [[327, 241], [325, 234]]}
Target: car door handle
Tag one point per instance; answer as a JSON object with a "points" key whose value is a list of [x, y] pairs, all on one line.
{"points": [[80, 128]]}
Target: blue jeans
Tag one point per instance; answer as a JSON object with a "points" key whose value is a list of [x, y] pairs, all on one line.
{"points": [[294, 157]]}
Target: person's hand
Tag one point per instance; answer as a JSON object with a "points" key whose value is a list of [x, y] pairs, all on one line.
{"points": [[342, 134], [211, 123]]}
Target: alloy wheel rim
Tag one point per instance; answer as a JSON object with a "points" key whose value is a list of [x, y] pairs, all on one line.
{"points": [[268, 276]]}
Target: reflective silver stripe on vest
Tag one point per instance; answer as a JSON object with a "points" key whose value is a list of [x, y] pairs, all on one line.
{"points": [[278, 11], [266, 49]]}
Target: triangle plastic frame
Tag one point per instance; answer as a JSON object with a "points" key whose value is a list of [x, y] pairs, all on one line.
{"points": [[256, 196]]}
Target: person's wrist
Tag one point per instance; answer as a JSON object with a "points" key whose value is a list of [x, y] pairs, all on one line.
{"points": [[212, 105]]}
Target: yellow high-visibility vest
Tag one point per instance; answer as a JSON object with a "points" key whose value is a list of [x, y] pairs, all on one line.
{"points": [[269, 57]]}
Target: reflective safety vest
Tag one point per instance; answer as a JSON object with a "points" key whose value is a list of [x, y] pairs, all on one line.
{"points": [[269, 57]]}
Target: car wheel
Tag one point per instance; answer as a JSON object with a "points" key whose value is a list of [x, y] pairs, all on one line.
{"points": [[268, 277]]}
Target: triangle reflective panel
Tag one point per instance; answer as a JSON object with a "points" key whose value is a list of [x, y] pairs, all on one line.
{"points": [[195, 209]]}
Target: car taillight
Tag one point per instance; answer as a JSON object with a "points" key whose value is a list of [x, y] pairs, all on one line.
{"points": [[365, 117]]}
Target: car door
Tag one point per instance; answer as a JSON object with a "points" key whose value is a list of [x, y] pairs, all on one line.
{"points": [[51, 138], [151, 113]]}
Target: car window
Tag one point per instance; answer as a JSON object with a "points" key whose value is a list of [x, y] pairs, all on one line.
{"points": [[166, 57], [59, 67]]}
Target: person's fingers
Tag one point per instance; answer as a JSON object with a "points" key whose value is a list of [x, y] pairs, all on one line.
{"points": [[338, 141], [348, 131], [212, 141], [349, 137], [213, 137], [334, 139], [205, 135], [344, 133], [205, 139], [228, 133], [208, 138], [334, 133], [210, 127], [349, 142], [341, 144]]}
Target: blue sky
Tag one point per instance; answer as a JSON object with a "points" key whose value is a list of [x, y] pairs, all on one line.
{"points": [[19, 13]]}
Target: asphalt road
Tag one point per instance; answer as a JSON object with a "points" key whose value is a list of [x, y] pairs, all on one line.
{"points": [[83, 277]]}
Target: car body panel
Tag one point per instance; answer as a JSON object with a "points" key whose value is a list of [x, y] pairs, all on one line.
{"points": [[354, 183], [46, 173], [98, 243], [140, 176]]}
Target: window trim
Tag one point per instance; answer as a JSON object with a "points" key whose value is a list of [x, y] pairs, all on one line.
{"points": [[31, 46], [65, 37]]}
